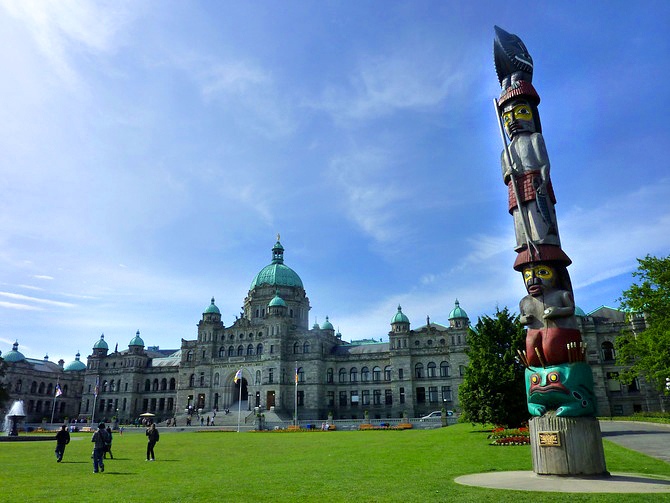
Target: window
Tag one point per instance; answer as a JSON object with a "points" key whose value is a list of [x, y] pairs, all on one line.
{"points": [[418, 370], [305, 347], [421, 395], [250, 349], [432, 394], [161, 404], [111, 387], [145, 404], [613, 383], [401, 393], [170, 404], [272, 348], [365, 397], [240, 350], [155, 385], [301, 375], [444, 369], [365, 374], [354, 398], [189, 356], [191, 380], [387, 373], [446, 393], [222, 352], [216, 379], [259, 348], [388, 397], [173, 383], [634, 386], [401, 374], [258, 377], [343, 398], [377, 397], [329, 376], [301, 398], [608, 351], [353, 374], [461, 370], [163, 384], [296, 348], [432, 370], [271, 374], [104, 387], [147, 385], [342, 375], [376, 374], [331, 398]]}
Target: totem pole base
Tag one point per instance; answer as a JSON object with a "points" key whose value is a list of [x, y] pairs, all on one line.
{"points": [[566, 446]]}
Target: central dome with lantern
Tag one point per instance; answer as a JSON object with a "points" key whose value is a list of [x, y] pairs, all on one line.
{"points": [[276, 273]]}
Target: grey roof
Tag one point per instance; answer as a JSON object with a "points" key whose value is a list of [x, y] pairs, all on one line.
{"points": [[358, 349], [43, 365], [171, 360], [436, 326]]}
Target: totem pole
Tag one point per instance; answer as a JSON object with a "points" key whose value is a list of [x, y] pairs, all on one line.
{"points": [[559, 381]]}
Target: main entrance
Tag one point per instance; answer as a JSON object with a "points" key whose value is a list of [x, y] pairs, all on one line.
{"points": [[270, 399]]}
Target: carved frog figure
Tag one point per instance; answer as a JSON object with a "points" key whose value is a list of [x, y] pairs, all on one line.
{"points": [[567, 388]]}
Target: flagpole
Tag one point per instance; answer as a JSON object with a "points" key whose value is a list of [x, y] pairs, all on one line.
{"points": [[239, 407], [295, 410], [95, 397], [53, 408]]}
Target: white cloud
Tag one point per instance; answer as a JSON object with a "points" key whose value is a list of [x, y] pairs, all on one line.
{"points": [[18, 296], [42, 276], [20, 307], [29, 287]]}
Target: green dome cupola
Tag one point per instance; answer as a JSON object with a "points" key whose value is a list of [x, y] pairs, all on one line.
{"points": [[579, 312], [136, 341], [212, 309], [101, 344], [327, 325], [457, 312], [14, 355], [399, 317], [276, 273], [277, 301], [75, 365]]}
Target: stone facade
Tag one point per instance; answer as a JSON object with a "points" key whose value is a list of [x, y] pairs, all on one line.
{"points": [[414, 372]]}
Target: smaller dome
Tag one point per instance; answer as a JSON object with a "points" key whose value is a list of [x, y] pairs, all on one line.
{"points": [[137, 340], [579, 312], [277, 301], [101, 344], [399, 317], [14, 355], [457, 312], [75, 365], [327, 325], [212, 308]]}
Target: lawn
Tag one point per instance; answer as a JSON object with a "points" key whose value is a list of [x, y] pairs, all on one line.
{"points": [[404, 466]]}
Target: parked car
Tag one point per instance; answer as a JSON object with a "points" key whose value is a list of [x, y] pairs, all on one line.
{"points": [[436, 414]]}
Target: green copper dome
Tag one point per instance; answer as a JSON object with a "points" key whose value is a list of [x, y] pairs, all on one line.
{"points": [[212, 308], [400, 317], [75, 365], [277, 273], [457, 312], [101, 344], [327, 325], [277, 301], [14, 355], [579, 312], [137, 340]]}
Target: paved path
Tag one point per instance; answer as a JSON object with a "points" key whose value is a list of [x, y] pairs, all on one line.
{"points": [[652, 439]]}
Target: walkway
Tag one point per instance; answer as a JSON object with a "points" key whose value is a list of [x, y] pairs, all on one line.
{"points": [[652, 439]]}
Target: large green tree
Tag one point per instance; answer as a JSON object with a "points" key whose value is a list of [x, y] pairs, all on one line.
{"points": [[646, 353], [493, 389]]}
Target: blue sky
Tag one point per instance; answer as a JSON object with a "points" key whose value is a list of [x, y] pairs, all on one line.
{"points": [[152, 150]]}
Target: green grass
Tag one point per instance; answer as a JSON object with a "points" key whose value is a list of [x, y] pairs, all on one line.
{"points": [[645, 417], [404, 466]]}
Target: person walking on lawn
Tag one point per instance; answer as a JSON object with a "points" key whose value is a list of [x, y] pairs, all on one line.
{"points": [[100, 443], [153, 435], [62, 439]]}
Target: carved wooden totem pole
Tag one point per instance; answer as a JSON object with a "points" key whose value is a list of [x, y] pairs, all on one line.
{"points": [[565, 436]]}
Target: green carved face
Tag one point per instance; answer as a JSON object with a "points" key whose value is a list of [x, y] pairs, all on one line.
{"points": [[567, 388]]}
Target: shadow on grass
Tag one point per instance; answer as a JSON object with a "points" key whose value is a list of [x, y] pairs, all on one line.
{"points": [[74, 462], [120, 473], [631, 432]]}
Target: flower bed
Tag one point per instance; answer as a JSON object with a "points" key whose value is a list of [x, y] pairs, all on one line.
{"points": [[513, 436]]}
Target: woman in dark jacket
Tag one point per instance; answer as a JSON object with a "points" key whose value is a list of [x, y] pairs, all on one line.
{"points": [[153, 435]]}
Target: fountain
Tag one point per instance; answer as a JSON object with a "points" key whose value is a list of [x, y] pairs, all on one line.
{"points": [[14, 416]]}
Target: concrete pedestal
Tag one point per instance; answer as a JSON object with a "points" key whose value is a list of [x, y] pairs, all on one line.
{"points": [[566, 445]]}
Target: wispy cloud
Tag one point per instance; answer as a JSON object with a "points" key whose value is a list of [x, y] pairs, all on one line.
{"points": [[42, 276], [30, 287], [20, 307], [18, 296]]}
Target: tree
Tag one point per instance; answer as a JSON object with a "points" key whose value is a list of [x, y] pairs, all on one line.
{"points": [[647, 352], [493, 389]]}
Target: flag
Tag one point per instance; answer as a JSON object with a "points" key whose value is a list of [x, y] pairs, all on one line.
{"points": [[296, 375], [96, 391], [59, 391], [238, 376]]}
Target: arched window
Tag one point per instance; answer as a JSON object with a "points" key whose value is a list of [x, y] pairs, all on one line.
{"points": [[155, 386], [191, 380], [216, 379], [353, 374], [250, 349], [296, 348], [376, 374], [17, 388], [432, 369], [64, 390], [342, 375], [163, 384], [258, 377], [608, 351], [365, 374], [444, 369], [240, 350], [305, 347], [260, 334], [231, 351], [301, 375], [189, 356], [33, 387], [50, 388], [104, 386], [418, 370], [329, 376], [251, 336], [387, 373], [147, 385], [173, 383], [222, 352], [259, 349]]}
